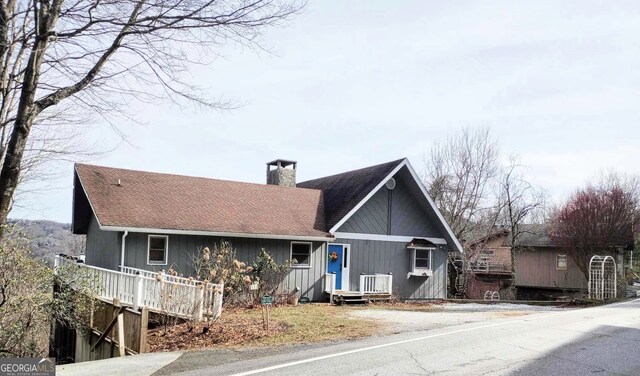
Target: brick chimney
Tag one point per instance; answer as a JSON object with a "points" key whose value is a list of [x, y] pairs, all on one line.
{"points": [[281, 172]]}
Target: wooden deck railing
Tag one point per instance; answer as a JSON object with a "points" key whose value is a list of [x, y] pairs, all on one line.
{"points": [[330, 285], [486, 266], [159, 292], [376, 284], [369, 283], [159, 274]]}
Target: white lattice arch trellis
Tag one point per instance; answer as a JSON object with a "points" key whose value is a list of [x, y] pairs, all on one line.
{"points": [[602, 278]]}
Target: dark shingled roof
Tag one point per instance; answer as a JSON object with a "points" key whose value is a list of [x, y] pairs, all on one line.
{"points": [[342, 192], [534, 235], [420, 242], [139, 199], [531, 235]]}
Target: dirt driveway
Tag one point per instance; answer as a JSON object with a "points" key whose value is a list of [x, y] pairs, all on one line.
{"points": [[408, 317]]}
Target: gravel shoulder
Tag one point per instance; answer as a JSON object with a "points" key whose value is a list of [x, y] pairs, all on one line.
{"points": [[438, 316]]}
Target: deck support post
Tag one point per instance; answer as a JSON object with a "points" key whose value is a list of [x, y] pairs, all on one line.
{"points": [[121, 345], [144, 317]]}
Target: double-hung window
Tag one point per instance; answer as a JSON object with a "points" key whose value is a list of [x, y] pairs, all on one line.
{"points": [[421, 261], [157, 249], [301, 254]]}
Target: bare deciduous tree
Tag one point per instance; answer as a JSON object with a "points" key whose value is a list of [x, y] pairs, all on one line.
{"points": [[60, 60], [459, 176], [519, 202], [476, 193]]}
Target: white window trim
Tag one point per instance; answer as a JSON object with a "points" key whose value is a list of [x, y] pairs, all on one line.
{"points": [[420, 272], [413, 259], [386, 238], [166, 249], [566, 261], [301, 266]]}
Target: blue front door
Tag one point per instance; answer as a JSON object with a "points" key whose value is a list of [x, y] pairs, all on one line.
{"points": [[334, 264]]}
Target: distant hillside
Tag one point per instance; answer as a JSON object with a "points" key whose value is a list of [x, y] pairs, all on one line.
{"points": [[48, 238]]}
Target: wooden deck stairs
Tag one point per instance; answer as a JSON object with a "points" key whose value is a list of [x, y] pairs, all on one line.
{"points": [[356, 297], [372, 287]]}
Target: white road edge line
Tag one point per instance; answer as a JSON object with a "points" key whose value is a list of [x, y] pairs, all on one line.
{"points": [[329, 356]]}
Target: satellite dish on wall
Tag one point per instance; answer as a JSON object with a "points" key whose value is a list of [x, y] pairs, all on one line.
{"points": [[391, 183]]}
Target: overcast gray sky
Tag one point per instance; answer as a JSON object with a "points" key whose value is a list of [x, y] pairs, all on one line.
{"points": [[355, 83]]}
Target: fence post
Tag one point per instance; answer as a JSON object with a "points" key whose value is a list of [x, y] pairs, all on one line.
{"points": [[138, 291], [56, 263], [390, 283], [120, 286], [362, 286], [217, 298], [333, 287], [200, 300]]}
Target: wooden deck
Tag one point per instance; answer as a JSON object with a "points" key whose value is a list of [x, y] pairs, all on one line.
{"points": [[159, 292], [372, 287], [356, 297]]}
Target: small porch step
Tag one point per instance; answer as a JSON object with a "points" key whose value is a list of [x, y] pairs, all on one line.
{"points": [[352, 301], [349, 299], [356, 297], [346, 293]]}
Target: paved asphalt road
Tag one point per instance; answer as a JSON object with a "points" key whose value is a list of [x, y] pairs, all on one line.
{"points": [[603, 340]]}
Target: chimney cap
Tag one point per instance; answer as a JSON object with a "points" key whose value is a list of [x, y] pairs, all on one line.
{"points": [[282, 163]]}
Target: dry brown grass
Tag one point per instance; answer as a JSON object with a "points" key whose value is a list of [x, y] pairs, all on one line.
{"points": [[243, 327]]}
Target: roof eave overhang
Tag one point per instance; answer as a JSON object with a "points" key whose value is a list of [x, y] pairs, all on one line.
{"points": [[386, 238], [217, 233]]}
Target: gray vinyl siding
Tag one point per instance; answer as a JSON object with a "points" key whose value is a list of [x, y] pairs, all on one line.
{"points": [[371, 257], [372, 217], [181, 247], [103, 247], [402, 211], [410, 214]]}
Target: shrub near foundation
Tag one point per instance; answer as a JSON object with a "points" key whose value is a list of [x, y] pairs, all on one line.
{"points": [[219, 265], [268, 274]]}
